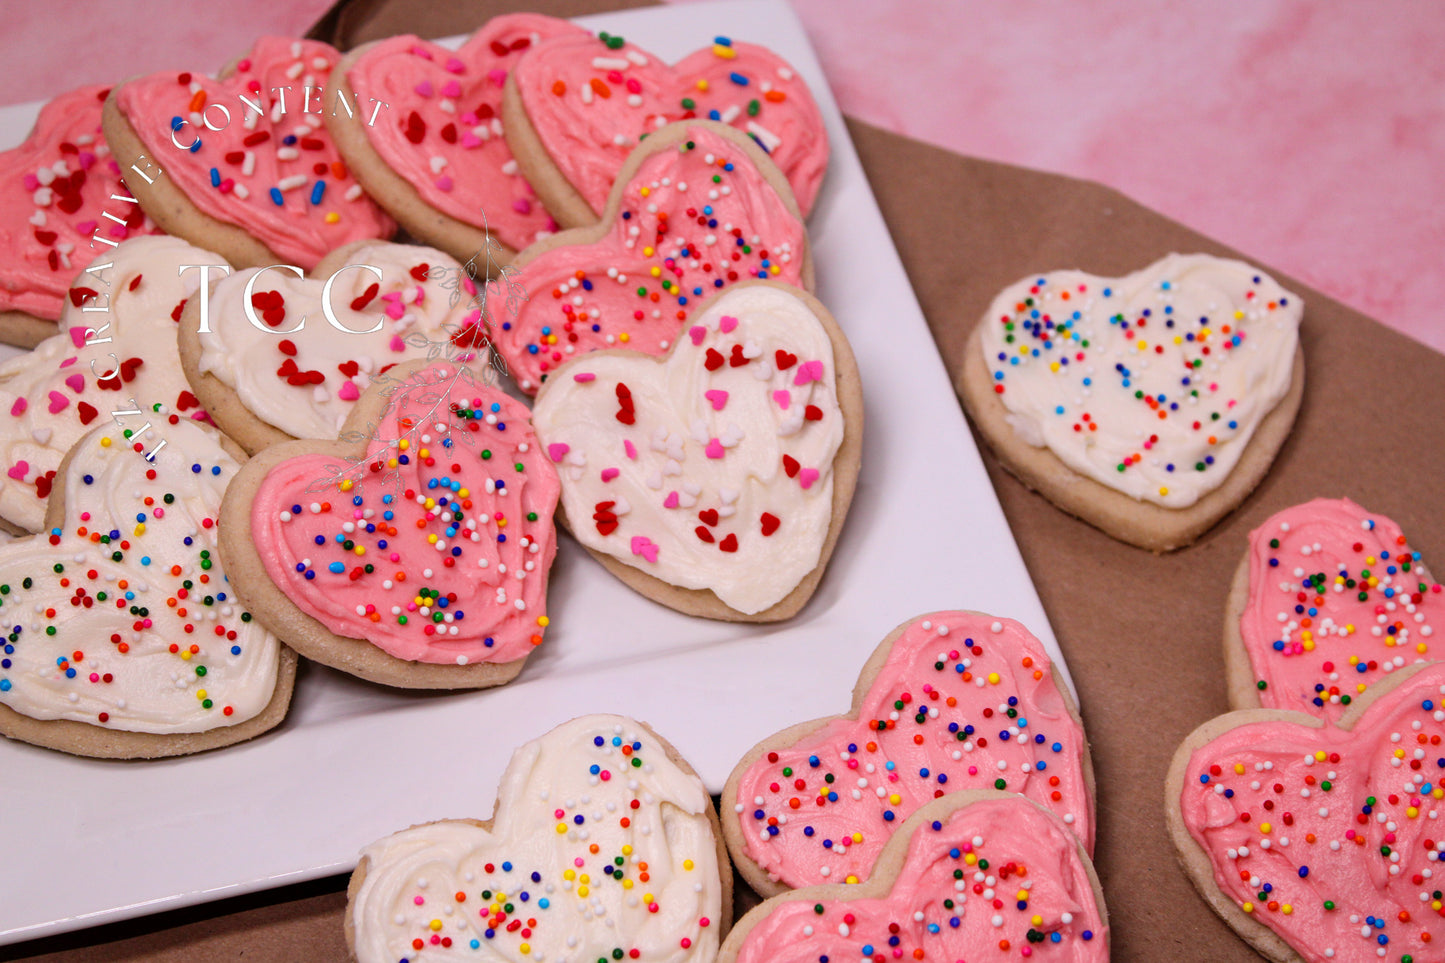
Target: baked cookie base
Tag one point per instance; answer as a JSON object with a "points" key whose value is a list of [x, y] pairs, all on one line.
{"points": [[1140, 523]]}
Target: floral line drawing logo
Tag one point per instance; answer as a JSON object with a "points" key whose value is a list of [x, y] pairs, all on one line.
{"points": [[383, 460]]}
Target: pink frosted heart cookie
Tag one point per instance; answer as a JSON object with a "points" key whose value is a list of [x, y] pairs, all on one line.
{"points": [[55, 204], [576, 105], [949, 701], [1328, 601], [695, 209], [117, 352], [1148, 405], [287, 369], [243, 163], [437, 161], [1320, 842], [714, 480], [124, 638], [977, 875], [602, 845], [415, 554]]}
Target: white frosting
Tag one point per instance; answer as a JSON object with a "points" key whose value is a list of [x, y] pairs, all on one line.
{"points": [[246, 358], [126, 669], [43, 392], [573, 911], [1196, 304], [689, 457]]}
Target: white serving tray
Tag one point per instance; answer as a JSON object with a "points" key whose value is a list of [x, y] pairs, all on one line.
{"points": [[86, 842]]}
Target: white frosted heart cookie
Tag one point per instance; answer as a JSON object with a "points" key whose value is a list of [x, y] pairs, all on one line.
{"points": [[1148, 405], [603, 844], [286, 368], [714, 480], [116, 350], [123, 639]]}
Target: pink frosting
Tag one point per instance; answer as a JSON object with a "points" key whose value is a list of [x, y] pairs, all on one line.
{"points": [[588, 135], [1329, 836], [939, 906], [448, 105], [1337, 601], [696, 244], [309, 222], [487, 495], [947, 688], [54, 191]]}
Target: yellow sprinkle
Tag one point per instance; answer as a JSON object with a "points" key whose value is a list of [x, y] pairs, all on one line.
{"points": [[140, 529], [360, 550], [687, 864], [1319, 757], [551, 339], [726, 53], [431, 539], [105, 443], [1354, 660], [970, 859], [1239, 768], [1309, 645], [543, 621], [464, 492], [525, 948], [392, 463], [647, 252], [501, 523], [993, 678], [1248, 907], [1238, 315], [332, 217], [186, 655], [895, 799], [431, 503], [200, 693], [1163, 491], [346, 485], [851, 880], [424, 453], [584, 878], [1142, 344], [857, 837], [627, 884], [702, 83], [774, 269], [646, 191], [624, 337], [1178, 339], [1204, 333], [1412, 812], [562, 831], [403, 444], [569, 875], [582, 891], [1399, 753], [656, 272], [436, 925], [1037, 921], [1360, 687], [1264, 827], [1288, 909], [1053, 366]]}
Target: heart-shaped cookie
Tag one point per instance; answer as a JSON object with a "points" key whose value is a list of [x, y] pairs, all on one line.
{"points": [[576, 105], [1328, 600], [603, 844], [243, 163], [949, 701], [695, 209], [124, 639], [413, 552], [117, 351], [977, 875], [1148, 405], [56, 195], [438, 161], [715, 480], [294, 373], [1319, 842]]}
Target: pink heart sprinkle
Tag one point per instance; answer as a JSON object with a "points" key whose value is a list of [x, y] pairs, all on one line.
{"points": [[18, 409], [642, 545], [452, 89], [444, 183], [19, 470], [557, 451], [470, 140], [455, 66], [424, 88], [806, 477], [68, 362], [783, 397], [714, 449], [727, 323], [85, 227], [75, 382], [630, 448], [808, 371], [609, 473], [395, 309], [396, 343], [498, 77], [670, 501], [78, 334], [32, 183], [348, 391], [697, 333], [718, 398], [584, 376], [522, 206], [58, 402], [87, 160]]}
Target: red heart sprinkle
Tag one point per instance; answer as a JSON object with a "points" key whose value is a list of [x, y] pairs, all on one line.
{"points": [[770, 523], [784, 359], [729, 544], [709, 516]]}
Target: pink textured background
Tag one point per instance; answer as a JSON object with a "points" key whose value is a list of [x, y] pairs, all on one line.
{"points": [[1310, 135]]}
